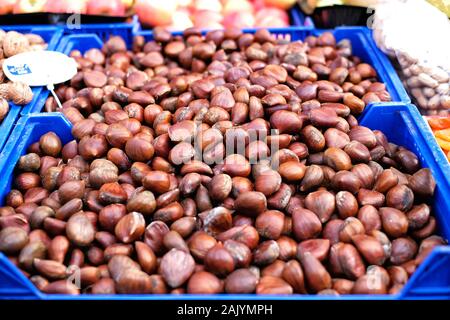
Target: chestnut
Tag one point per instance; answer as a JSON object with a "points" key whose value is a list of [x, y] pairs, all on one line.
{"points": [[204, 283], [241, 281], [270, 224], [219, 261], [176, 267], [200, 243]]}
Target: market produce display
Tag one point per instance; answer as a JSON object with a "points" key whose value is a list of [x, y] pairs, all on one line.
{"points": [[213, 14], [173, 14], [152, 195], [12, 43], [441, 130]]}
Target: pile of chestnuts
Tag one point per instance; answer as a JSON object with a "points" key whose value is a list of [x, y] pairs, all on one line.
{"points": [[224, 163]]}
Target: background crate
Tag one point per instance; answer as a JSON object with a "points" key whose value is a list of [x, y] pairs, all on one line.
{"points": [[298, 18], [363, 46], [401, 123], [106, 30], [51, 35]]}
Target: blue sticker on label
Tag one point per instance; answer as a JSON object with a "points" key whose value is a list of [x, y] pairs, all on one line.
{"points": [[19, 70]]}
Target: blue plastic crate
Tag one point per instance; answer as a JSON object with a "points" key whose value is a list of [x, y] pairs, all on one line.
{"points": [[401, 123], [105, 30], [363, 46], [51, 35]]}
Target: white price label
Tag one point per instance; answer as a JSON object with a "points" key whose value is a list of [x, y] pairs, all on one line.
{"points": [[40, 68]]}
